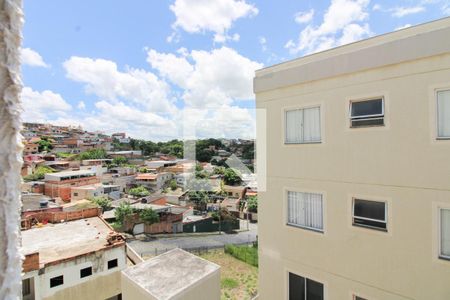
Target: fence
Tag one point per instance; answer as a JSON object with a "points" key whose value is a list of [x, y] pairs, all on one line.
{"points": [[194, 250]]}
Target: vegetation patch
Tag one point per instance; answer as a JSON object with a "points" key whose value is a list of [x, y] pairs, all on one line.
{"points": [[248, 254], [228, 283], [239, 280]]}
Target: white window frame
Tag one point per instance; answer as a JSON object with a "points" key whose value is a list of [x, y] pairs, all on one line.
{"points": [[441, 256], [438, 137], [369, 219], [319, 230], [286, 110], [368, 117]]}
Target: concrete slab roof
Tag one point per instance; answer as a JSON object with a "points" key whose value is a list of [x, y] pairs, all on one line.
{"points": [[170, 274], [56, 242]]}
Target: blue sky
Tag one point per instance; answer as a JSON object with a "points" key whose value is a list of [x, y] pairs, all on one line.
{"points": [[150, 67]]}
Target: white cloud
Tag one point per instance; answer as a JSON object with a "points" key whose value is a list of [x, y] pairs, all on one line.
{"points": [[223, 122], [400, 12], [222, 38], [42, 106], [209, 78], [446, 9], [81, 105], [353, 32], [376, 7], [403, 27], [263, 42], [103, 79], [199, 16], [32, 58], [304, 16], [343, 22]]}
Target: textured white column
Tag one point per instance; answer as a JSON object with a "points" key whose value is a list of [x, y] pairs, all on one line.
{"points": [[10, 148]]}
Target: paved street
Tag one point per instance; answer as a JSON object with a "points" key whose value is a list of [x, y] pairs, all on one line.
{"points": [[152, 246]]}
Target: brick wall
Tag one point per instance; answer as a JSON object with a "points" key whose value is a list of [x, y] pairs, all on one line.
{"points": [[31, 262], [57, 217]]}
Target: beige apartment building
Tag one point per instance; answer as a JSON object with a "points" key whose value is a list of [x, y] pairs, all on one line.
{"points": [[358, 170]]}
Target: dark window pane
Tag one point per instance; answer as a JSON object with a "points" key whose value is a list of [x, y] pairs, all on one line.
{"points": [[368, 122], [296, 287], [359, 298], [369, 209], [55, 281], [86, 272], [314, 290], [368, 223], [367, 108], [112, 263], [26, 287]]}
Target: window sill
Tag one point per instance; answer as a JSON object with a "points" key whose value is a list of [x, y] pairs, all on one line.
{"points": [[444, 257], [370, 227], [367, 126], [303, 143], [442, 138], [306, 228]]}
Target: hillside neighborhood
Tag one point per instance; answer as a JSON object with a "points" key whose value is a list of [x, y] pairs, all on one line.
{"points": [[133, 190]]}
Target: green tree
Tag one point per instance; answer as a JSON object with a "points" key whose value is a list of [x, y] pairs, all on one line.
{"points": [[140, 191], [149, 216], [93, 154], [231, 177], [198, 167], [39, 173], [103, 202], [173, 185], [204, 155], [120, 160], [122, 212], [45, 144], [199, 198], [252, 204], [219, 170]]}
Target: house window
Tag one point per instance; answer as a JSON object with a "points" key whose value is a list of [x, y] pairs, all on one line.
{"points": [[301, 288], [445, 233], [75, 194], [112, 263], [86, 272], [26, 287], [372, 214], [443, 98], [305, 210], [303, 126], [367, 113], [56, 281]]}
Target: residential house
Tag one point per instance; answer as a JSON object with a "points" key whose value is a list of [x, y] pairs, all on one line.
{"points": [[30, 148], [80, 259], [154, 182], [60, 184], [357, 204], [95, 190], [236, 191]]}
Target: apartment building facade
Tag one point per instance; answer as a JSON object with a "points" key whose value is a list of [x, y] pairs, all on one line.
{"points": [[358, 192]]}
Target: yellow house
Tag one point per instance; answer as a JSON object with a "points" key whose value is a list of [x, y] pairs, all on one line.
{"points": [[358, 170]]}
